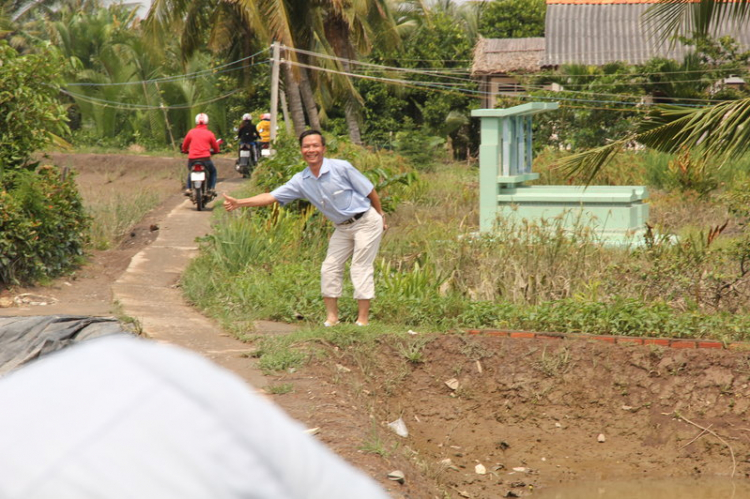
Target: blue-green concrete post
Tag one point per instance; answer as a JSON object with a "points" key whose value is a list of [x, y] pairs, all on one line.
{"points": [[505, 155], [489, 161], [614, 213]]}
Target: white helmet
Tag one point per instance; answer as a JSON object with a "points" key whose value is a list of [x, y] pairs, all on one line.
{"points": [[247, 117], [201, 119], [266, 116]]}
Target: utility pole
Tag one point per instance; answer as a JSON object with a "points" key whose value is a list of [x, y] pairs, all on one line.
{"points": [[285, 111], [166, 117], [275, 88]]}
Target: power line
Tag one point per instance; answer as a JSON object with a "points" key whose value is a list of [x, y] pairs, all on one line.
{"points": [[441, 84], [454, 85], [464, 91], [187, 76], [127, 106]]}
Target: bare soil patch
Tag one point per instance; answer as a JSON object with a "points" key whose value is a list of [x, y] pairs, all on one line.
{"points": [[487, 417], [533, 413]]}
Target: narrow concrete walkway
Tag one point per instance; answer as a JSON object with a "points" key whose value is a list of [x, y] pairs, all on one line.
{"points": [[149, 291]]}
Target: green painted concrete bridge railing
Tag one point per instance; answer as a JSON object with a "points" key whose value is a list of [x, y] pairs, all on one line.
{"points": [[617, 214]]}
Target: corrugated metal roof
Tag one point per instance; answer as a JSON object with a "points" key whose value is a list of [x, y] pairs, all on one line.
{"points": [[596, 34], [504, 55], [608, 2]]}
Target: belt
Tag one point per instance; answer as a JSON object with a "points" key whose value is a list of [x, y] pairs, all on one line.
{"points": [[353, 219]]}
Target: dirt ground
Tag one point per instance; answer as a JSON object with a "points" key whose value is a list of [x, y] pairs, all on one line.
{"points": [[486, 416]]}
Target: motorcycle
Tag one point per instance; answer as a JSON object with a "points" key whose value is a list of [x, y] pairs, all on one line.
{"points": [[247, 159], [265, 149], [199, 193]]}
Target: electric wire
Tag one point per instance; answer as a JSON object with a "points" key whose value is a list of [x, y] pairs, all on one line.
{"points": [[126, 106], [187, 76], [351, 62], [457, 86], [466, 91], [468, 70]]}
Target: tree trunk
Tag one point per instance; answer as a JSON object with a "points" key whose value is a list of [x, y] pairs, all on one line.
{"points": [[295, 101], [285, 111], [337, 33], [352, 120], [305, 88], [351, 108]]}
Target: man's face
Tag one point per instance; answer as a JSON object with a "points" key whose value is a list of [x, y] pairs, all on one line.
{"points": [[313, 149]]}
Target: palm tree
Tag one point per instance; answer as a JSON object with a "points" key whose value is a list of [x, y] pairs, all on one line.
{"points": [[350, 30], [719, 130], [296, 24], [93, 41]]}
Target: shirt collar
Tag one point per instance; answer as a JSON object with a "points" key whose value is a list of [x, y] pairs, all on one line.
{"points": [[324, 168]]}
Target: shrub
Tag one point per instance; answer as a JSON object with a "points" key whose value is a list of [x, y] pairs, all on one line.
{"points": [[30, 115], [42, 225]]}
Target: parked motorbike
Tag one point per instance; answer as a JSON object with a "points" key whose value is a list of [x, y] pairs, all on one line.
{"points": [[199, 193], [247, 159]]}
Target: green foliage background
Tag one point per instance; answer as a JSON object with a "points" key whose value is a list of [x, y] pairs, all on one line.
{"points": [[513, 19]]}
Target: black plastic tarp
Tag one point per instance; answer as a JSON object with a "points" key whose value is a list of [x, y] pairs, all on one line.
{"points": [[26, 338]]}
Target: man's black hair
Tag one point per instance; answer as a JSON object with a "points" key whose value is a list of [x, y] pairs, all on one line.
{"points": [[312, 132]]}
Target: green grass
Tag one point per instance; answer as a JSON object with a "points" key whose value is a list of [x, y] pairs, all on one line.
{"points": [[374, 444], [280, 389]]}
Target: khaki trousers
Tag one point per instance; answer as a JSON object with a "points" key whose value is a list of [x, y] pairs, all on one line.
{"points": [[359, 240]]}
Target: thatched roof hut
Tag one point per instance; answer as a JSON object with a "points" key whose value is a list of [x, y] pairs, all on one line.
{"points": [[507, 55], [497, 59]]}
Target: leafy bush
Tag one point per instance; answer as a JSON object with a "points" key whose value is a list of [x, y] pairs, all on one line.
{"points": [[30, 114], [279, 168], [42, 225], [421, 149], [688, 173], [42, 222]]}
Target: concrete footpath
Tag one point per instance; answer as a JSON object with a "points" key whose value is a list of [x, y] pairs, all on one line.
{"points": [[149, 291]]}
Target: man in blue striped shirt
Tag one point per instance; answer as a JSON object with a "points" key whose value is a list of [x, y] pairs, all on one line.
{"points": [[348, 199]]}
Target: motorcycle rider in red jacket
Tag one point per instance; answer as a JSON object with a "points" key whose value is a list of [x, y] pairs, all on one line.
{"points": [[199, 144]]}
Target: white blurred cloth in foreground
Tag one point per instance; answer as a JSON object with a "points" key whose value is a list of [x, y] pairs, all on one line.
{"points": [[121, 417]]}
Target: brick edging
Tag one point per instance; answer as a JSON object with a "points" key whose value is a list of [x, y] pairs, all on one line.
{"points": [[615, 340]]}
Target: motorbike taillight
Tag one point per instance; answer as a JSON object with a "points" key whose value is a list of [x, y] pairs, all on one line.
{"points": [[197, 167]]}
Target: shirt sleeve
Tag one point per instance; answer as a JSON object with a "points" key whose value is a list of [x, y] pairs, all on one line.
{"points": [[359, 182], [289, 191]]}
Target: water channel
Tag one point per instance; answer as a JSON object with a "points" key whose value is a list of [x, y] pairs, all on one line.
{"points": [[677, 488]]}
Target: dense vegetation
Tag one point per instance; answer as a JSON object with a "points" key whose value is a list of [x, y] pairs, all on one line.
{"points": [[387, 73], [42, 222]]}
